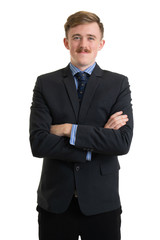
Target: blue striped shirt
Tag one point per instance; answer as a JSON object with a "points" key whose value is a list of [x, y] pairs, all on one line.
{"points": [[75, 70]]}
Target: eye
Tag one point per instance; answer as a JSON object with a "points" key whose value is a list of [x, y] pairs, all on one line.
{"points": [[76, 38], [91, 38]]}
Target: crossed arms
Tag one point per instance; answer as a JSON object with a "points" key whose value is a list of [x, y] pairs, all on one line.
{"points": [[52, 141], [116, 121]]}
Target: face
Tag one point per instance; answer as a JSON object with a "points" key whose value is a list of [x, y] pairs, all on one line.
{"points": [[84, 41]]}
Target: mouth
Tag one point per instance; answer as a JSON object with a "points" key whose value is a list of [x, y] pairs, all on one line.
{"points": [[83, 52]]}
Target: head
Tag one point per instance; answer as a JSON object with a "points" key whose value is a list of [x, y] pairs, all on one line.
{"points": [[84, 38]]}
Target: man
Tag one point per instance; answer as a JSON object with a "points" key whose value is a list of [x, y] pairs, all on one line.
{"points": [[81, 120]]}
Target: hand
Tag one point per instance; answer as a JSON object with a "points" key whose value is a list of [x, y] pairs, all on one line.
{"points": [[61, 130], [116, 121]]}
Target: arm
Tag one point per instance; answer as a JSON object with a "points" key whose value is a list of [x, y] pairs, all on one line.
{"points": [[116, 121], [43, 143], [109, 141]]}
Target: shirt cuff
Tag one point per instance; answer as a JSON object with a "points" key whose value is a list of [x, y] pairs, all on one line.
{"points": [[73, 134], [73, 140], [89, 156]]}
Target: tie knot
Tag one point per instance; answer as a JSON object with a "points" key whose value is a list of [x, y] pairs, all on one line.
{"points": [[82, 76]]}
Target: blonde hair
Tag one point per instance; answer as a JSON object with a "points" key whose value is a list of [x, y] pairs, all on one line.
{"points": [[82, 17]]}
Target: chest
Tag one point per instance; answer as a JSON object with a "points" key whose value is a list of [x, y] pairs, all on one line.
{"points": [[94, 110]]}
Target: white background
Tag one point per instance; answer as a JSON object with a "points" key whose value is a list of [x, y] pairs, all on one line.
{"points": [[32, 44]]}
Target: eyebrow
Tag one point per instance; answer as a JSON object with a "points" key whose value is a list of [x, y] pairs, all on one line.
{"points": [[77, 34]]}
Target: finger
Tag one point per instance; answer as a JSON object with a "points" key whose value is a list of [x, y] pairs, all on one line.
{"points": [[122, 121], [116, 114], [119, 126], [114, 118], [118, 119]]}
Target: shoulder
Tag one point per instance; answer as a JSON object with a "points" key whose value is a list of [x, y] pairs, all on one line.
{"points": [[113, 75], [111, 79], [109, 75], [52, 78], [115, 79], [51, 75]]}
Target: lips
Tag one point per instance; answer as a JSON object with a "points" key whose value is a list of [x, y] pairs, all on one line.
{"points": [[83, 52]]}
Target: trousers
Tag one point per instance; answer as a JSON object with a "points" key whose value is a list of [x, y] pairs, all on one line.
{"points": [[73, 223]]}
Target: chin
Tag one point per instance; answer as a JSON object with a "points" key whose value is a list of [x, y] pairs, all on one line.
{"points": [[84, 63]]}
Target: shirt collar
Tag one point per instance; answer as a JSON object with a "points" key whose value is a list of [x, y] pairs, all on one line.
{"points": [[75, 70]]}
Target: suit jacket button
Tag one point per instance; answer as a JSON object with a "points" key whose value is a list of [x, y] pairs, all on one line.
{"points": [[77, 168]]}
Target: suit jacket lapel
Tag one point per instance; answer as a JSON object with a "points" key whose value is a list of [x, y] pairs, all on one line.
{"points": [[71, 89], [90, 90], [91, 87]]}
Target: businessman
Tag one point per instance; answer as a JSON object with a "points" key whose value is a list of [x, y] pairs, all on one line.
{"points": [[81, 120]]}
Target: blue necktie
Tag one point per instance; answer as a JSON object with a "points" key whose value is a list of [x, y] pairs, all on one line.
{"points": [[82, 78]]}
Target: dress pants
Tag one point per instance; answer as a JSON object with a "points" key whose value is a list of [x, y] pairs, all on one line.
{"points": [[72, 224]]}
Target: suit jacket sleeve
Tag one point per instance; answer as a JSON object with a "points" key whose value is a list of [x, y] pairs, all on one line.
{"points": [[108, 141], [44, 144]]}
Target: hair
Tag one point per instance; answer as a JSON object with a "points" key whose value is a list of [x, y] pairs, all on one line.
{"points": [[82, 17]]}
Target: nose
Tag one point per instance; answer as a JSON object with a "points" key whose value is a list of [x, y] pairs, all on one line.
{"points": [[83, 43]]}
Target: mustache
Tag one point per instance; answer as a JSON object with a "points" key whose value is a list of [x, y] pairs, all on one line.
{"points": [[81, 49]]}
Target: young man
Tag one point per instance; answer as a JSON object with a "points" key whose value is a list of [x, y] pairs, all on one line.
{"points": [[81, 120]]}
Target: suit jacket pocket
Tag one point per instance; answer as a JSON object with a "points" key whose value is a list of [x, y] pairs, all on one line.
{"points": [[109, 165]]}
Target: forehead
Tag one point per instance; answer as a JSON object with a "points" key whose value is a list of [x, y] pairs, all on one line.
{"points": [[85, 29]]}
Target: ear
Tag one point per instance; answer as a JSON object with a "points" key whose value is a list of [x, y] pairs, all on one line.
{"points": [[66, 44], [101, 45]]}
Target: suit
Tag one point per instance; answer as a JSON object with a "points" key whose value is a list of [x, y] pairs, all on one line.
{"points": [[55, 101]]}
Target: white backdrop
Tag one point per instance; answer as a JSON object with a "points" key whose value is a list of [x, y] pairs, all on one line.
{"points": [[32, 44]]}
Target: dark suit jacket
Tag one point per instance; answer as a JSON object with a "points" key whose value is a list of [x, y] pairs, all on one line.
{"points": [[65, 168]]}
